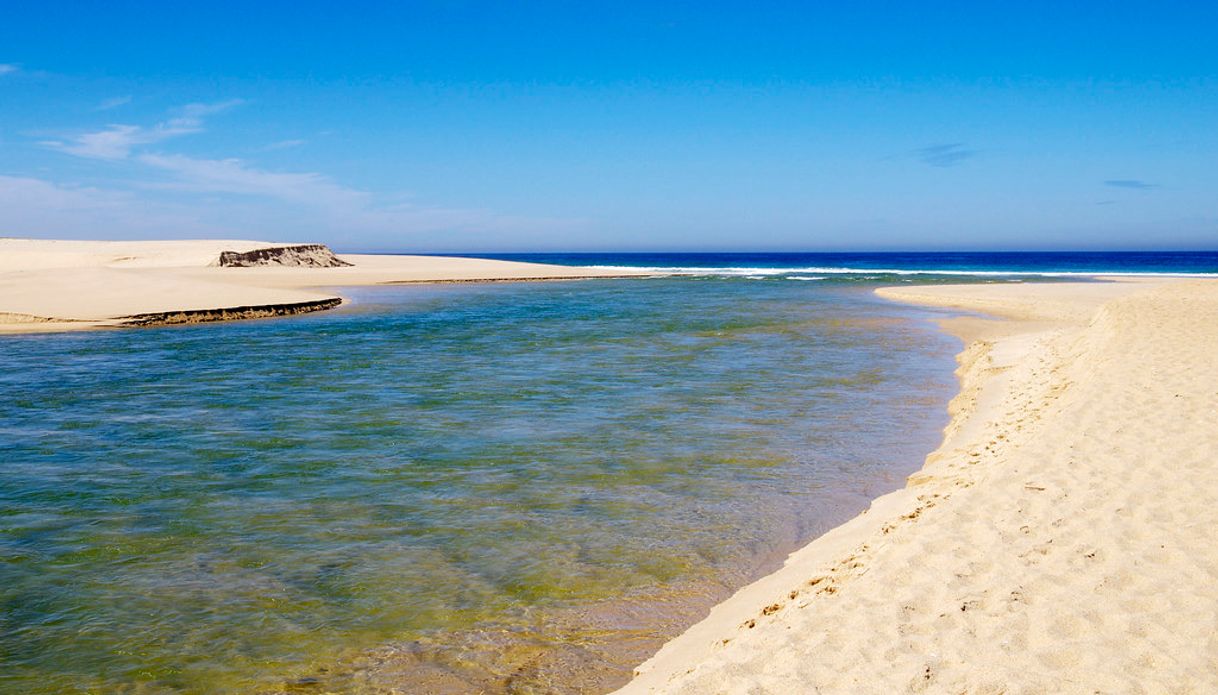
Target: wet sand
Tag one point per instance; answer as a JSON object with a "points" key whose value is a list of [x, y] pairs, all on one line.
{"points": [[1060, 539]]}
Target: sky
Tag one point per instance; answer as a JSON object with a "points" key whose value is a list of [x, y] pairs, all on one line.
{"points": [[451, 126]]}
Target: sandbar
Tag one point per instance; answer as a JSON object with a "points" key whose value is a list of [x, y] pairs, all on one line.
{"points": [[53, 285]]}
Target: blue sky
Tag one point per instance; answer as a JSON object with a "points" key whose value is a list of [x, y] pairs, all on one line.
{"points": [[464, 126]]}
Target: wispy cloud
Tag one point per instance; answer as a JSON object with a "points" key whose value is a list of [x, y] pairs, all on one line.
{"points": [[35, 207], [945, 155], [327, 202], [197, 111], [117, 140], [284, 144], [271, 206], [112, 103], [1131, 183], [237, 177], [6, 68], [219, 195]]}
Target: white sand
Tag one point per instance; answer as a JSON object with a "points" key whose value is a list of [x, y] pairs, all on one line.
{"points": [[1061, 540], [67, 285]]}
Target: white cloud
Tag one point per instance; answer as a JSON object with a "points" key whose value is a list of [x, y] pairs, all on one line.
{"points": [[112, 103], [38, 208], [196, 111], [311, 200], [273, 207], [182, 195], [6, 68], [118, 140], [115, 142], [235, 176], [284, 144], [318, 195], [80, 198]]}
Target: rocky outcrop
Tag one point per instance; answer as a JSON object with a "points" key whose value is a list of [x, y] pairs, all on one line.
{"points": [[298, 256]]}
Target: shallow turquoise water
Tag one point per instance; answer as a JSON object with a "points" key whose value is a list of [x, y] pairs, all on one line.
{"points": [[508, 486]]}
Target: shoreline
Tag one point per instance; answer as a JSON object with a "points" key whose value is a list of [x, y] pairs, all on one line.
{"points": [[53, 286], [953, 583], [1021, 554]]}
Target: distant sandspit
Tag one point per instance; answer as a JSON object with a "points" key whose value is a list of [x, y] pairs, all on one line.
{"points": [[48, 285], [1061, 540]]}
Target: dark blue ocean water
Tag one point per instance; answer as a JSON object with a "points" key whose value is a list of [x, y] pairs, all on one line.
{"points": [[872, 266]]}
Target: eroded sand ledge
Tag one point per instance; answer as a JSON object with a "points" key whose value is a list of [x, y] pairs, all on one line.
{"points": [[50, 285], [1060, 539]]}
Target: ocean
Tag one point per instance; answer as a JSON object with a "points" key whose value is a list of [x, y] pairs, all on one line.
{"points": [[509, 487], [899, 266]]}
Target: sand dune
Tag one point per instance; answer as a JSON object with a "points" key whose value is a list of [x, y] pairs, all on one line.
{"points": [[1060, 540], [70, 285]]}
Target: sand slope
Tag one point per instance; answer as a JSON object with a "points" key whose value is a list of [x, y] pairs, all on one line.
{"points": [[66, 285], [1060, 540]]}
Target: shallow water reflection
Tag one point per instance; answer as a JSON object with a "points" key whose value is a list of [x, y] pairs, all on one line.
{"points": [[518, 487]]}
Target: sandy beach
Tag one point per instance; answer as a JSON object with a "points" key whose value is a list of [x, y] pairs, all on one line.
{"points": [[48, 285], [1060, 539]]}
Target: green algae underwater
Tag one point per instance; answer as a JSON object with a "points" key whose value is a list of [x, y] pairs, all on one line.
{"points": [[506, 488]]}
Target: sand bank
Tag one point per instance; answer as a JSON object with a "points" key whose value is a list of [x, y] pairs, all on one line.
{"points": [[1060, 540], [68, 285]]}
